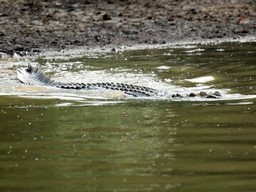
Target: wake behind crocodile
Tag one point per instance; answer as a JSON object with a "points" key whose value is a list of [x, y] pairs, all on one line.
{"points": [[93, 85]]}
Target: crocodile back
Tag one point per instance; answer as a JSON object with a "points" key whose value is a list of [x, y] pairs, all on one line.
{"points": [[128, 89]]}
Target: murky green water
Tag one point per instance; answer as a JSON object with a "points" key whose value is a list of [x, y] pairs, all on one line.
{"points": [[49, 142]]}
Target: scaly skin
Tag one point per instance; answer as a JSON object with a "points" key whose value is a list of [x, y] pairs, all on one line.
{"points": [[126, 88], [31, 75]]}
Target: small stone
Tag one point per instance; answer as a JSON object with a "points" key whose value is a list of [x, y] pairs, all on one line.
{"points": [[2, 34], [106, 17]]}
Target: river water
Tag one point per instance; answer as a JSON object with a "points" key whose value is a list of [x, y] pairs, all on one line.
{"points": [[64, 140]]}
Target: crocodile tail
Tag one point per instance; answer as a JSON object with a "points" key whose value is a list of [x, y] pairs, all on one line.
{"points": [[32, 76]]}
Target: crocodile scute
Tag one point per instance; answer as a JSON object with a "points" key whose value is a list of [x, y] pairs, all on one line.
{"points": [[33, 76]]}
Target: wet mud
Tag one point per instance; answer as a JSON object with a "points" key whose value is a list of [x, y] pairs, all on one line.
{"points": [[29, 26]]}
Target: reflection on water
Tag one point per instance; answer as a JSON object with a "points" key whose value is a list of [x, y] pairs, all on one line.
{"points": [[99, 144]]}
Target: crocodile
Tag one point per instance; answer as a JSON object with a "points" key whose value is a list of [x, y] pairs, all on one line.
{"points": [[33, 76]]}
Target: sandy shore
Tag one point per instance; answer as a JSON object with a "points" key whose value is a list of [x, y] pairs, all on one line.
{"points": [[28, 26]]}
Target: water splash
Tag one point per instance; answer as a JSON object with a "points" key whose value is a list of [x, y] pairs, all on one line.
{"points": [[160, 75], [166, 89]]}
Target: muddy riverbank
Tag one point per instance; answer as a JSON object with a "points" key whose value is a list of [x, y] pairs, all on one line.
{"points": [[36, 26]]}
